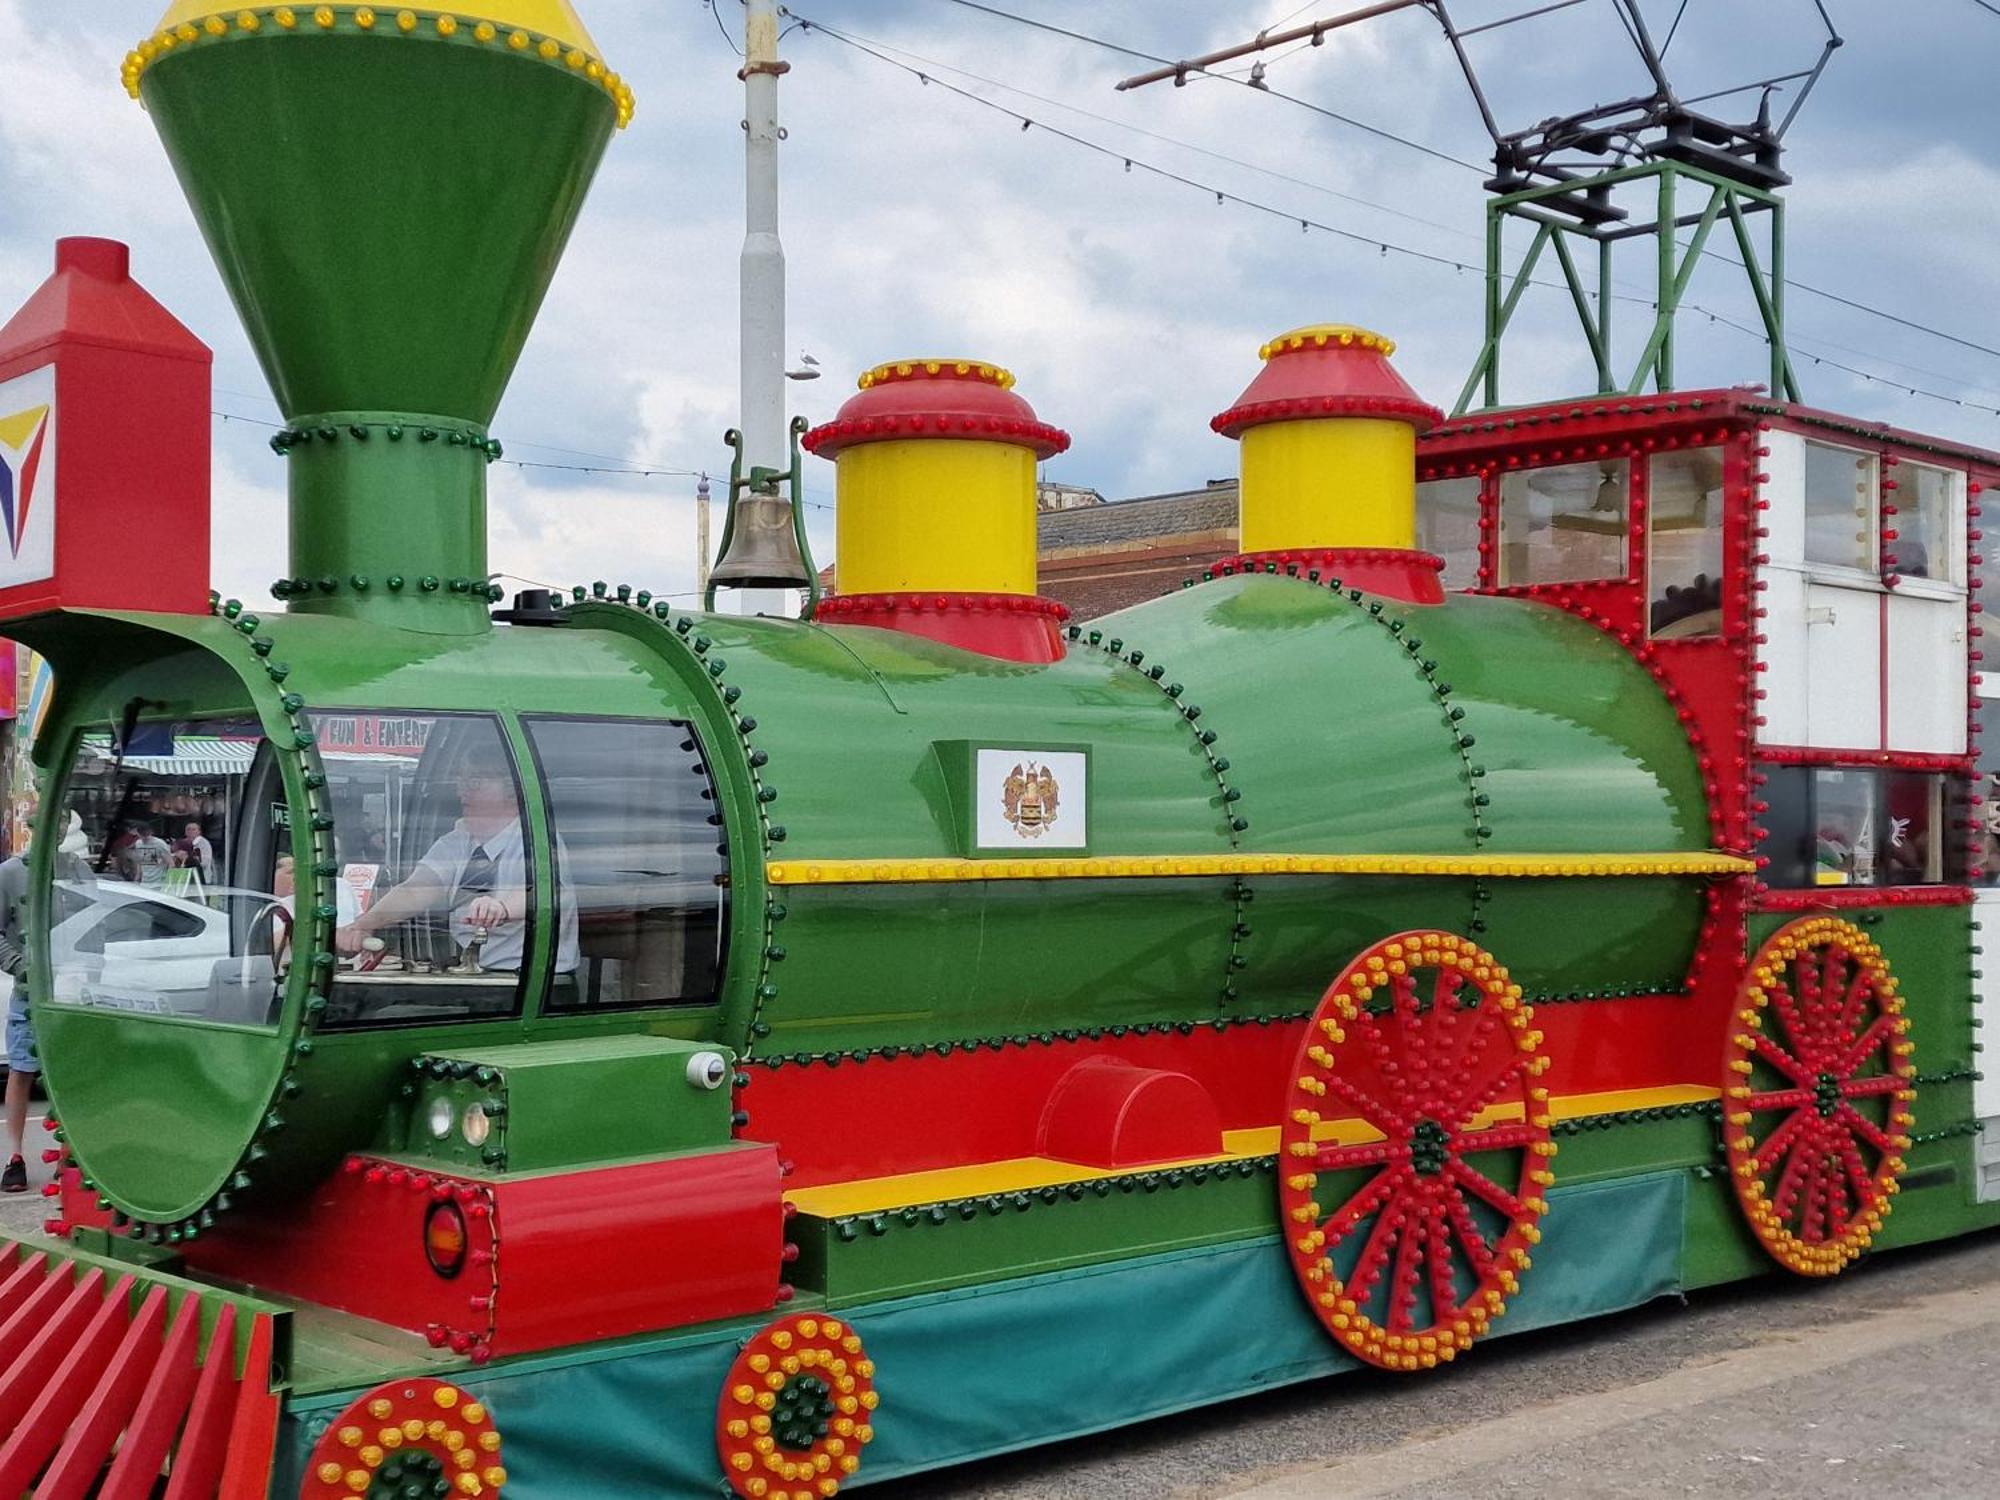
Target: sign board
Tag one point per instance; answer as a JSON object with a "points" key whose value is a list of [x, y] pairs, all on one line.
{"points": [[1016, 799], [28, 477]]}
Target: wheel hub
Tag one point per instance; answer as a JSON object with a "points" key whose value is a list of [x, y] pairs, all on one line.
{"points": [[1826, 1095], [803, 1413], [411, 1475], [1430, 1148]]}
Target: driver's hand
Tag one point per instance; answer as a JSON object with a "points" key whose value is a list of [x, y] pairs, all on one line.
{"points": [[349, 940], [486, 911]]}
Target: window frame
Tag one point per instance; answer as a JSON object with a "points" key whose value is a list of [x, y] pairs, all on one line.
{"points": [[545, 1010], [1525, 472], [1943, 794], [1484, 494], [1868, 575], [1957, 499], [1722, 451], [530, 847]]}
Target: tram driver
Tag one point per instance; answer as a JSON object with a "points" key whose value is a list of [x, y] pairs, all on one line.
{"points": [[477, 874]]}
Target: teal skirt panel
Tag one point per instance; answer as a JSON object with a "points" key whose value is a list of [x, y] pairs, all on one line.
{"points": [[975, 1372]]}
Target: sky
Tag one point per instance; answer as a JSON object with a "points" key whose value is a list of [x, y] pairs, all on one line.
{"points": [[920, 222]]}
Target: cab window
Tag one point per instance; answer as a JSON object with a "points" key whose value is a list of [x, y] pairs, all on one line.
{"points": [[164, 898], [1684, 537], [1564, 524], [1841, 489], [434, 897], [1855, 826], [642, 882]]}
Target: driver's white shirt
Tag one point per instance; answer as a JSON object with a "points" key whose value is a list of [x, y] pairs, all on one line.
{"points": [[445, 862]]}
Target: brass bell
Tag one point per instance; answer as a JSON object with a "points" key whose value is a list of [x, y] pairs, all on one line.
{"points": [[763, 547]]}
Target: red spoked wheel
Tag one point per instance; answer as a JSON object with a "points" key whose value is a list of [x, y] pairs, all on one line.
{"points": [[1817, 1093], [1415, 1150], [797, 1410]]}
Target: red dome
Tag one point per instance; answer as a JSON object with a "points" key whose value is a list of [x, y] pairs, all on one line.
{"points": [[936, 398], [1328, 370]]}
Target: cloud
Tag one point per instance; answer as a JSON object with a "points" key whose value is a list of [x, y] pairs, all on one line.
{"points": [[1129, 305]]}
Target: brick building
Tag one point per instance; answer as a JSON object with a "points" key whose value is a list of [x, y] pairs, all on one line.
{"points": [[1100, 557]]}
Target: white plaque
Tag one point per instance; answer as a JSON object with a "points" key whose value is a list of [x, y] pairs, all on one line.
{"points": [[1030, 800]]}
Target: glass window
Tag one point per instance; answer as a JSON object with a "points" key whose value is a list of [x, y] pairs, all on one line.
{"points": [[1448, 527], [436, 886], [1850, 826], [1914, 849], [1840, 506], [165, 894], [1845, 819], [1926, 523], [1984, 816], [1565, 523], [644, 883], [1684, 551]]}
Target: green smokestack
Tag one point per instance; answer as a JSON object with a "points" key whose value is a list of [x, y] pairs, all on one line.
{"points": [[387, 193]]}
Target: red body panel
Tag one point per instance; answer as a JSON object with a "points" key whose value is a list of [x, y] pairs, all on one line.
{"points": [[666, 1243], [886, 1116]]}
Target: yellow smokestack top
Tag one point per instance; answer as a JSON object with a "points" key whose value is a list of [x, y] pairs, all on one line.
{"points": [[1329, 433], [935, 480]]}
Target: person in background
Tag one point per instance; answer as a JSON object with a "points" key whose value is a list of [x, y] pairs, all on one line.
{"points": [[22, 1065], [146, 859], [194, 852]]}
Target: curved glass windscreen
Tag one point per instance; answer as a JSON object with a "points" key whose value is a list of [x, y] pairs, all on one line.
{"points": [[435, 891], [167, 890], [641, 880]]}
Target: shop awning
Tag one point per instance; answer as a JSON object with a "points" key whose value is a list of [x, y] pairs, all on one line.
{"points": [[194, 755], [209, 755]]}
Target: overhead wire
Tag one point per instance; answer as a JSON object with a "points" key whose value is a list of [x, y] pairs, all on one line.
{"points": [[1306, 223], [1791, 283], [1151, 135], [648, 471], [709, 6], [1262, 88]]}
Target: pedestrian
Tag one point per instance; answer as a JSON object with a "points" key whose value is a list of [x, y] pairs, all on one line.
{"points": [[194, 852], [22, 1065], [146, 858]]}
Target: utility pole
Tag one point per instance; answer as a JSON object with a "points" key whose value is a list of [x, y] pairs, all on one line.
{"points": [[762, 267], [701, 536]]}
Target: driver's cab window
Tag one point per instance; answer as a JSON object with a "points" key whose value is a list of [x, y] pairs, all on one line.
{"points": [[165, 895], [435, 886], [1684, 543]]}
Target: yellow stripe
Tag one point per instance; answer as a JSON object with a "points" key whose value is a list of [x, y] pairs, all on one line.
{"points": [[1118, 866], [547, 30], [1027, 1173], [552, 18]]}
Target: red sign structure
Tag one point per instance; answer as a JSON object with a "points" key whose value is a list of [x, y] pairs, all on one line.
{"points": [[104, 464]]}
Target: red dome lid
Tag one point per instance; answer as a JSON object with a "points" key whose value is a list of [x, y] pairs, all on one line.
{"points": [[936, 398], [1327, 370]]}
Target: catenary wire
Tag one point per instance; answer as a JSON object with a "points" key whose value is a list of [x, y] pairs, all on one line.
{"points": [[1791, 284], [1384, 246]]}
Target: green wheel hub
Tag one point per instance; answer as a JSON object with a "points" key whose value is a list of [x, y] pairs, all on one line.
{"points": [[413, 1475], [1430, 1146], [803, 1413]]}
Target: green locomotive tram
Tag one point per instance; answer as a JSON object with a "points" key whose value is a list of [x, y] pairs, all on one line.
{"points": [[616, 1050]]}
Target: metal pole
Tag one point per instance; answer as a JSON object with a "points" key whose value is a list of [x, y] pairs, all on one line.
{"points": [[761, 340], [701, 557], [763, 259], [1667, 293]]}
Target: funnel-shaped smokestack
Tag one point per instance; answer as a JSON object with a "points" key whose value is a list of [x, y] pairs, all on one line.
{"points": [[387, 194]]}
